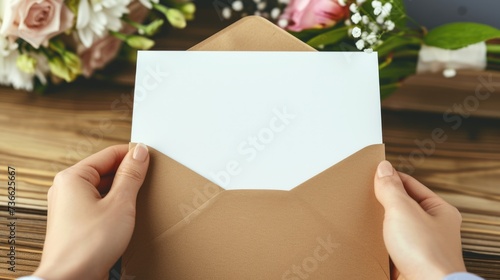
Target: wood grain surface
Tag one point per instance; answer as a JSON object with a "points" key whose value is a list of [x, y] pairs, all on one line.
{"points": [[41, 135]]}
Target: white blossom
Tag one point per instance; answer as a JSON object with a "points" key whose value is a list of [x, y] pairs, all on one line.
{"points": [[226, 13], [95, 18], [282, 22], [10, 75], [380, 19], [368, 50], [237, 5], [348, 22], [356, 32], [360, 44], [377, 11], [376, 3], [353, 8], [386, 9], [390, 25], [356, 18], [371, 38], [373, 27], [286, 2], [342, 3], [365, 19], [147, 3], [261, 6], [360, 2], [275, 13]]}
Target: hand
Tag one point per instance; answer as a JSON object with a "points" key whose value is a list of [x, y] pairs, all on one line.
{"points": [[86, 232], [421, 230]]}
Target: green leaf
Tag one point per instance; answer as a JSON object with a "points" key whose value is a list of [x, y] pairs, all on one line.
{"points": [[328, 38], [460, 34], [396, 42], [398, 70]]}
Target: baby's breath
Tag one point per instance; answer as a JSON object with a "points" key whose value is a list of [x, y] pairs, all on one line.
{"points": [[367, 24]]}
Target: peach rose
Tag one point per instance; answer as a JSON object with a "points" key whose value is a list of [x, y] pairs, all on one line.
{"points": [[35, 21], [306, 14]]}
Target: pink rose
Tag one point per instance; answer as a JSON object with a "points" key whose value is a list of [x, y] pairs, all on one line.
{"points": [[306, 14], [99, 54], [35, 21]]}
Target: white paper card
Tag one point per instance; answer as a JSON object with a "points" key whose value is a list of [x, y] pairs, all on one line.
{"points": [[257, 120]]}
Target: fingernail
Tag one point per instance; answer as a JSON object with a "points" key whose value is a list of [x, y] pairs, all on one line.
{"points": [[140, 152], [385, 169]]}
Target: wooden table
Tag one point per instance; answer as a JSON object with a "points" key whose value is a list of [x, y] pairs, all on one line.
{"points": [[41, 135]]}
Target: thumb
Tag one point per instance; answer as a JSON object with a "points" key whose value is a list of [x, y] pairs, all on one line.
{"points": [[389, 188], [130, 174]]}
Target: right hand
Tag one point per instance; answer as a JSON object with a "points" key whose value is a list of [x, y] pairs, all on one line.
{"points": [[421, 230]]}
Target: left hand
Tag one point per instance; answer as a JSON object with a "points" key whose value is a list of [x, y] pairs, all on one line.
{"points": [[86, 232]]}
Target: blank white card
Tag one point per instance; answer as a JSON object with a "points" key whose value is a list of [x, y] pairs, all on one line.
{"points": [[257, 120]]}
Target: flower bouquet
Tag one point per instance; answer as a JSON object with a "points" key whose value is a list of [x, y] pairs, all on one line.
{"points": [[50, 41], [404, 46]]}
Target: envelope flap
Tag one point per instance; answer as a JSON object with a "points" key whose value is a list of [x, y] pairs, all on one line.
{"points": [[172, 193], [252, 33], [362, 213]]}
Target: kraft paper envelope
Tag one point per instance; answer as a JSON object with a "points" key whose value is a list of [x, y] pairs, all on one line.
{"points": [[329, 227]]}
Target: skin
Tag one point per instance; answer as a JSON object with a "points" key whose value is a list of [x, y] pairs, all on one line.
{"points": [[86, 232], [421, 230], [91, 217]]}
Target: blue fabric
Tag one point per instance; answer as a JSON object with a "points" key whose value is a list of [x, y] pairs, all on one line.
{"points": [[462, 276]]}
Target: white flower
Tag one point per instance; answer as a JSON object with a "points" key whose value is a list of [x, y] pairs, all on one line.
{"points": [[147, 3], [286, 2], [282, 22], [380, 19], [356, 32], [371, 38], [261, 6], [96, 18], [376, 3], [360, 44], [11, 75], [373, 27], [377, 11], [364, 35], [347, 22], [365, 19], [389, 25], [275, 13], [342, 3], [369, 50], [353, 8], [226, 13], [361, 2], [237, 5], [386, 9], [356, 18]]}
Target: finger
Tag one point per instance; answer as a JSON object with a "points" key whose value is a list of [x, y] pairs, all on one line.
{"points": [[389, 188], [107, 160], [418, 191], [426, 198], [130, 174]]}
